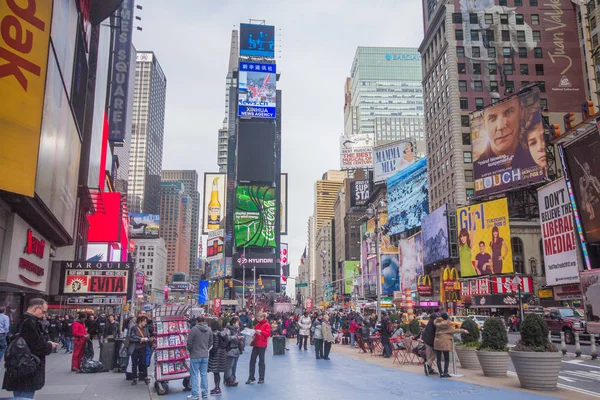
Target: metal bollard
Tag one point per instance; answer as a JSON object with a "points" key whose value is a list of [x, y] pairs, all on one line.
{"points": [[563, 344], [550, 336], [454, 374], [593, 344], [577, 345]]}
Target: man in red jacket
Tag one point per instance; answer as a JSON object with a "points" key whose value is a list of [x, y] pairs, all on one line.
{"points": [[80, 335], [353, 328], [262, 333]]}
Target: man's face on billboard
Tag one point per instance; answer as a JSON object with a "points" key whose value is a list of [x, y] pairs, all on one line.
{"points": [[502, 123]]}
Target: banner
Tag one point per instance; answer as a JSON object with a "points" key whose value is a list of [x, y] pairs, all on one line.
{"points": [[558, 234], [408, 200], [283, 261], [360, 191], [484, 239], [351, 270], [203, 292], [356, 151], [392, 158], [80, 278], [257, 94], [411, 261], [139, 284], [214, 245], [435, 236]]}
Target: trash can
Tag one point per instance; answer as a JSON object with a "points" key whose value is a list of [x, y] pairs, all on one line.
{"points": [[278, 345], [107, 354], [118, 343]]}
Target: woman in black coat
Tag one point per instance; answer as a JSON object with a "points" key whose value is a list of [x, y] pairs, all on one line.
{"points": [[217, 358]]}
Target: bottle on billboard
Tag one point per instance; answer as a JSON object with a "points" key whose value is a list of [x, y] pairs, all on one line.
{"points": [[214, 207]]}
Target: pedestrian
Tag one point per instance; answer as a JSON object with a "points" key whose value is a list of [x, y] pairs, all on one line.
{"points": [[4, 329], [68, 333], [80, 336], [260, 341], [234, 350], [138, 341], [92, 327], [365, 335], [317, 330], [217, 357], [112, 327], [30, 329], [443, 342], [385, 330], [200, 340], [305, 324], [101, 324], [428, 338], [353, 328], [327, 337], [53, 331]]}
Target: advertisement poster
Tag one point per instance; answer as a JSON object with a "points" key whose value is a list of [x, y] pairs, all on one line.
{"points": [[254, 217], [257, 90], [214, 201], [408, 200], [509, 150], [257, 40], [283, 206], [359, 192], [484, 239], [82, 278], [390, 273], [558, 234], [214, 245], [143, 225], [203, 292], [434, 228], [283, 261], [411, 261], [392, 158], [590, 285], [139, 284], [356, 151], [351, 270], [583, 159], [217, 268], [371, 278], [385, 242]]}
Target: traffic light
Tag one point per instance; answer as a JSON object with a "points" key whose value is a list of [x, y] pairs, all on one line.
{"points": [[554, 131], [568, 119], [587, 109]]}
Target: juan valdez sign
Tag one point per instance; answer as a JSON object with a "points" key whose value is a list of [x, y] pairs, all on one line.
{"points": [[558, 234]]}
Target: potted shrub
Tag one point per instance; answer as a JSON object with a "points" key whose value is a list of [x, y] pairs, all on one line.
{"points": [[493, 353], [465, 350], [537, 361], [414, 327]]}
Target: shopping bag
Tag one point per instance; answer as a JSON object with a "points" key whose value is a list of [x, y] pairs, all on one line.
{"points": [[129, 366]]}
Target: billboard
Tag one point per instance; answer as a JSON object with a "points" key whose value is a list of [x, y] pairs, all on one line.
{"points": [[558, 234], [484, 239], [360, 191], [144, 225], [390, 273], [408, 201], [257, 92], [257, 40], [509, 149], [80, 278], [284, 262], [351, 270], [214, 201], [392, 158], [255, 151], [435, 236], [583, 160], [590, 285], [356, 151], [411, 261], [214, 245], [254, 217], [283, 204], [217, 268], [203, 292]]}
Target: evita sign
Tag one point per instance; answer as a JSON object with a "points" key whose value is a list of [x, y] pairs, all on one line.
{"points": [[79, 278]]}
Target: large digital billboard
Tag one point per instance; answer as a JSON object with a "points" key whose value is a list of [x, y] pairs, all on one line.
{"points": [[390, 273], [256, 151], [214, 245], [392, 158], [509, 149], [408, 201], [254, 217], [257, 92], [435, 236], [558, 234], [283, 204], [583, 159], [484, 239], [356, 151], [214, 201], [351, 270], [257, 40], [143, 225]]}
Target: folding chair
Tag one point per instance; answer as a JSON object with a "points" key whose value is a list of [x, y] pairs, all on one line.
{"points": [[361, 344]]}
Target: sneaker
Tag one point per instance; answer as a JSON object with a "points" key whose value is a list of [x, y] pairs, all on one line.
{"points": [[261, 381], [426, 368], [250, 381], [432, 371], [214, 391], [205, 396], [134, 382], [193, 397], [147, 380]]}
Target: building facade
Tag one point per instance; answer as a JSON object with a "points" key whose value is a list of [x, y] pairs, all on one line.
{"points": [[323, 262], [326, 191], [230, 82], [151, 257], [176, 226]]}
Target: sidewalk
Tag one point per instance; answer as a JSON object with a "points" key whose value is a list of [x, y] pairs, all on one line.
{"points": [[62, 384], [511, 382]]}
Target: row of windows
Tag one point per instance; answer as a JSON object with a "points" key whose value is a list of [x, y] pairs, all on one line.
{"points": [[479, 102], [457, 18], [492, 69], [489, 35]]}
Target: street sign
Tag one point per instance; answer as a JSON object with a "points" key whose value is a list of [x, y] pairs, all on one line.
{"points": [[305, 284], [95, 300]]}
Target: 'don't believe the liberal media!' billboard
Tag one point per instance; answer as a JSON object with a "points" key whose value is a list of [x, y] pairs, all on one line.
{"points": [[257, 90]]}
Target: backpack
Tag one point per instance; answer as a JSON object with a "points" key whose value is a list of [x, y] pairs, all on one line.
{"points": [[20, 362]]}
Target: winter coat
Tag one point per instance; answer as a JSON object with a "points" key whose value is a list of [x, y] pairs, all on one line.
{"points": [[135, 338], [384, 328], [262, 340], [304, 324], [236, 346], [33, 335], [217, 359], [317, 329], [67, 327], [199, 341], [429, 333], [327, 334], [443, 334]]}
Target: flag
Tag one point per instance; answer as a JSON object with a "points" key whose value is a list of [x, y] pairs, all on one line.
{"points": [[303, 258]]}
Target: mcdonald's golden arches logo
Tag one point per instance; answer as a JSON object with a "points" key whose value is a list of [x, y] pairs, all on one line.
{"points": [[450, 278], [424, 286]]}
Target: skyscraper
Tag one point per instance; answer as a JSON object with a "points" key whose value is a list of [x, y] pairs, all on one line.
{"points": [[189, 178], [175, 226], [230, 81], [326, 192], [147, 134]]}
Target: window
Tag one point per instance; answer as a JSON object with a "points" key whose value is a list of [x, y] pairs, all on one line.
{"points": [[464, 103], [473, 18], [542, 86], [462, 86], [537, 52], [462, 69], [471, 192], [467, 157], [535, 19], [595, 41], [517, 250], [506, 51], [493, 86], [492, 53], [533, 3], [479, 103], [464, 121], [524, 68], [518, 3], [537, 36], [543, 267], [523, 52], [457, 18], [476, 51], [521, 36], [460, 51], [504, 19], [458, 34], [489, 19], [490, 36], [520, 19], [510, 86], [544, 104], [477, 68], [539, 69], [508, 69], [592, 22], [468, 175], [492, 69], [505, 36], [478, 86], [475, 36]]}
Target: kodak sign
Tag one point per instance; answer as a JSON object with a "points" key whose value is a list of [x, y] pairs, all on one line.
{"points": [[24, 40]]}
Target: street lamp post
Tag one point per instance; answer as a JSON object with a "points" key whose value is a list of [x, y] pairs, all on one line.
{"points": [[375, 211]]}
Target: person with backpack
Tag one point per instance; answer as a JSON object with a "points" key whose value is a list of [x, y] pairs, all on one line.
{"points": [[26, 362], [80, 335], [4, 329]]}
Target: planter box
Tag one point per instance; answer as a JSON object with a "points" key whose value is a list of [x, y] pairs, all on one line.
{"points": [[493, 363], [537, 371], [467, 357]]}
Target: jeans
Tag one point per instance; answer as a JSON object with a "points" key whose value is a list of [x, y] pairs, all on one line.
{"points": [[139, 369], [302, 339], [351, 339], [231, 370], [2, 345], [430, 353], [387, 347], [446, 360], [69, 343], [319, 348], [327, 350], [260, 353], [23, 395], [199, 366]]}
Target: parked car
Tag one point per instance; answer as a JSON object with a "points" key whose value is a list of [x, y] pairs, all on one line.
{"points": [[567, 320], [457, 320]]}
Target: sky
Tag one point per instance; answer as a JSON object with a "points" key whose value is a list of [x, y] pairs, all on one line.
{"points": [[316, 42]]}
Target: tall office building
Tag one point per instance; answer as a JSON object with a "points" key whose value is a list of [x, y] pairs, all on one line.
{"points": [[230, 81], [326, 192], [189, 178], [176, 226], [147, 134]]}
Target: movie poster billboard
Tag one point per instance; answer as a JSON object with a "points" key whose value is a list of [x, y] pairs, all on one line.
{"points": [[558, 234], [509, 150], [484, 239], [360, 192], [81, 278], [392, 158], [254, 216], [214, 203], [143, 225], [283, 206], [257, 94], [583, 159], [408, 200], [386, 245], [257, 40], [351, 270], [434, 228], [214, 245], [411, 261], [390, 273], [356, 151], [590, 286]]}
